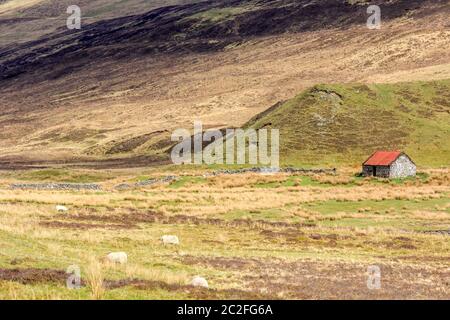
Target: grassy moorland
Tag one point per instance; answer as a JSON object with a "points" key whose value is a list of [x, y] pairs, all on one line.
{"points": [[251, 236], [107, 97]]}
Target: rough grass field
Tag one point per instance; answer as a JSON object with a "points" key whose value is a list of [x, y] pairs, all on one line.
{"points": [[250, 235], [339, 123]]}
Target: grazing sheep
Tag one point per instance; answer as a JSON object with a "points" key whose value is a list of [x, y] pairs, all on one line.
{"points": [[61, 208], [199, 282], [117, 257], [170, 240]]}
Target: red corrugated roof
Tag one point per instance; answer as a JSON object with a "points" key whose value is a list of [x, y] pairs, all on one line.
{"points": [[382, 158]]}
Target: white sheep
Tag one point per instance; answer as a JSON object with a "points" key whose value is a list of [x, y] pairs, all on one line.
{"points": [[117, 257], [199, 282], [60, 208], [170, 240]]}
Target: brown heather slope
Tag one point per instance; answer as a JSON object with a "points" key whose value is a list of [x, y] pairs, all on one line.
{"points": [[26, 20], [117, 88]]}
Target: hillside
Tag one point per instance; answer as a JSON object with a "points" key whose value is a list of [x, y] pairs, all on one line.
{"points": [[115, 90], [198, 27], [27, 20], [335, 124]]}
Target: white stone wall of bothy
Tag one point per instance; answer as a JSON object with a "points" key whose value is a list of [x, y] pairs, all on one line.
{"points": [[402, 167]]}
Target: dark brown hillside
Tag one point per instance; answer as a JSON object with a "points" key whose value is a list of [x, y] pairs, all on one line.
{"points": [[199, 27], [27, 20]]}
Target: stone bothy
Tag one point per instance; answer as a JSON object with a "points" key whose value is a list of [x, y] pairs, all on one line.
{"points": [[389, 164]]}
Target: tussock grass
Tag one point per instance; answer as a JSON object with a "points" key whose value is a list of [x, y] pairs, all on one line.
{"points": [[233, 229]]}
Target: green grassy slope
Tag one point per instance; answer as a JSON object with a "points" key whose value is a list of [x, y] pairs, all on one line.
{"points": [[343, 124]]}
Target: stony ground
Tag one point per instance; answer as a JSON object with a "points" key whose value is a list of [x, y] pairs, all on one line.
{"points": [[252, 236]]}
